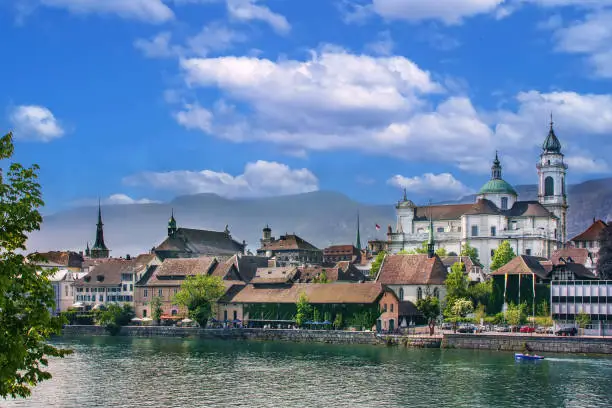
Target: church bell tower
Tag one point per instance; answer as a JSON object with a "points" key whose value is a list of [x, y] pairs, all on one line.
{"points": [[551, 182]]}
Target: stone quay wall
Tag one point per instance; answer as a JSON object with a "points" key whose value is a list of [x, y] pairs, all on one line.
{"points": [[542, 344], [303, 336]]}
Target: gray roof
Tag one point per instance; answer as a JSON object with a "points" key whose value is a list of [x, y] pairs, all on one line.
{"points": [[200, 242]]}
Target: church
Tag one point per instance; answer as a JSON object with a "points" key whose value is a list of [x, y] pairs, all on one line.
{"points": [[535, 228]]}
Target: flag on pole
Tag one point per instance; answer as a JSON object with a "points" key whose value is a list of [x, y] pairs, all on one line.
{"points": [[505, 285], [534, 279], [377, 227]]}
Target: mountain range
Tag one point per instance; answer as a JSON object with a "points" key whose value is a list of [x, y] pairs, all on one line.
{"points": [[322, 218]]}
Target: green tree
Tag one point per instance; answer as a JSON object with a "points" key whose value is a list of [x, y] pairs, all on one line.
{"points": [[470, 252], [376, 264], [156, 309], [604, 259], [26, 295], [456, 283], [199, 295], [461, 308], [503, 254], [583, 320], [481, 293], [543, 308], [316, 315], [480, 313], [429, 307], [304, 310], [441, 252], [516, 314], [321, 278], [365, 319], [115, 316], [338, 323]]}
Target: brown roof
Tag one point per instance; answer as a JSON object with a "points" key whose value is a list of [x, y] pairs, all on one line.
{"points": [[482, 206], [449, 261], [226, 269], [577, 255], [349, 272], [279, 274], [524, 265], [231, 290], [107, 273], [317, 293], [528, 209], [592, 233], [186, 266], [63, 258], [340, 250], [412, 270], [200, 242], [288, 242]]}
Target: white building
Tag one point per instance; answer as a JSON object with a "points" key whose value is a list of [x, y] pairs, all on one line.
{"points": [[568, 298], [534, 228], [63, 289]]}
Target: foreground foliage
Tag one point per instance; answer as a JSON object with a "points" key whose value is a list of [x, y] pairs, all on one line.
{"points": [[26, 295], [115, 316], [429, 307]]}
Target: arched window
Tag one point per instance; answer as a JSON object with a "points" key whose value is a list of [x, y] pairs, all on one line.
{"points": [[504, 203], [419, 293], [549, 186], [401, 294], [436, 293]]}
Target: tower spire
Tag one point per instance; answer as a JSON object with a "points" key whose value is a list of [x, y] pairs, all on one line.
{"points": [[99, 250], [431, 243], [496, 169], [358, 246]]}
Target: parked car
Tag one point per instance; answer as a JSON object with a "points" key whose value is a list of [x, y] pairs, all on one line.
{"points": [[447, 326], [527, 329], [567, 331], [544, 330], [468, 328], [501, 328]]}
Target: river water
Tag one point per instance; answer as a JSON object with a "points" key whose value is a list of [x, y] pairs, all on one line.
{"points": [[161, 372]]}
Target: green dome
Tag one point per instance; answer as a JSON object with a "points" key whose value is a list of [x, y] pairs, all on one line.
{"points": [[497, 186]]}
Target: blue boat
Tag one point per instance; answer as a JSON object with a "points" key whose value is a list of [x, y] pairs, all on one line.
{"points": [[530, 357]]}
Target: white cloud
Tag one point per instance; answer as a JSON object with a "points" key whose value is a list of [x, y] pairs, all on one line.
{"points": [[35, 123], [592, 37], [151, 11], [158, 46], [443, 184], [383, 45], [447, 11], [114, 199], [195, 117], [583, 164], [247, 10], [260, 179]]}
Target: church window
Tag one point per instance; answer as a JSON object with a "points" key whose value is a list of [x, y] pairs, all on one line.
{"points": [[493, 231], [401, 294], [474, 230], [419, 293], [504, 203], [549, 186]]}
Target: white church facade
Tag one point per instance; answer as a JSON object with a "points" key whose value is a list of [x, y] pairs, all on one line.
{"points": [[534, 228]]}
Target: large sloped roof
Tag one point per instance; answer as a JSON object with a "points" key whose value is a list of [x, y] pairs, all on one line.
{"points": [[202, 242], [107, 273], [523, 265], [405, 269], [592, 233], [288, 242], [317, 293]]}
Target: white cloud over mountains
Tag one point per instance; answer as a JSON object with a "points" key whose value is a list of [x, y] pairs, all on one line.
{"points": [[114, 199], [434, 185], [259, 179], [34, 122], [338, 100]]}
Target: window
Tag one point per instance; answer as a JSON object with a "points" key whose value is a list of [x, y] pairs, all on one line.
{"points": [[385, 307], [125, 287], [173, 312], [225, 315], [493, 231], [474, 230], [175, 291], [401, 294], [144, 312], [528, 251], [440, 229], [419, 293], [160, 292], [235, 315], [391, 307], [101, 298], [590, 244], [146, 293], [66, 287], [549, 186], [131, 287], [436, 293], [504, 203], [492, 253]]}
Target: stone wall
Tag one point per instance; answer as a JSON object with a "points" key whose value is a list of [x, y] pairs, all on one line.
{"points": [[542, 344], [306, 336]]}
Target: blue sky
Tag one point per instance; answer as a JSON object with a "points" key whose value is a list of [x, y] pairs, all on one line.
{"points": [[148, 99]]}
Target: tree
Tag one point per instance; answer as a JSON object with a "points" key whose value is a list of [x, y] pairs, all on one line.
{"points": [[470, 252], [321, 278], [429, 307], [604, 261], [338, 321], [480, 313], [115, 316], [304, 310], [441, 252], [481, 292], [199, 295], [583, 320], [457, 282], [377, 263], [503, 254], [26, 295], [516, 314], [316, 315], [156, 309], [461, 308]]}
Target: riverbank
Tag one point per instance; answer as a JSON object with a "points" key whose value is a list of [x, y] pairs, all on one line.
{"points": [[505, 342]]}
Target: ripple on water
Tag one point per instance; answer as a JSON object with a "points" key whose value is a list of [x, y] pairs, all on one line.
{"points": [[120, 372]]}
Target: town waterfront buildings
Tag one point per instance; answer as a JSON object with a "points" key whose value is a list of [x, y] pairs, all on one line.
{"points": [[535, 228]]}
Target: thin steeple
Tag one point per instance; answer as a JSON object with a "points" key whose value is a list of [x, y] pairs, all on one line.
{"points": [[358, 246], [99, 249], [431, 243], [551, 143], [496, 169]]}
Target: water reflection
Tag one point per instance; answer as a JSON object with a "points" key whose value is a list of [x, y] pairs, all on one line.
{"points": [[155, 372]]}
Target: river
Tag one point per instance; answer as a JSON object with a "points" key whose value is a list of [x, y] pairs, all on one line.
{"points": [[166, 372]]}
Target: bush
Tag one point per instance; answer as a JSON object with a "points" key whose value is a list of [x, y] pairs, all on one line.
{"points": [[545, 321]]}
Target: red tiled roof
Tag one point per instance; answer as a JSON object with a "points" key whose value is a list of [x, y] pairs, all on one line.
{"points": [[317, 293], [578, 255], [412, 270], [592, 233], [288, 242], [524, 265], [173, 271], [279, 274], [107, 273]]}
